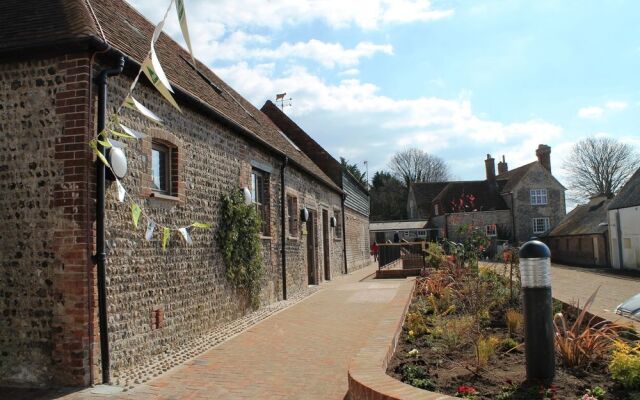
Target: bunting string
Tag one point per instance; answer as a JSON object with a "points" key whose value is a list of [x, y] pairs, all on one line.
{"points": [[152, 69]]}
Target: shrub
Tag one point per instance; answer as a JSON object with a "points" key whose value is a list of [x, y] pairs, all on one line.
{"points": [[508, 343], [416, 376], [454, 331], [581, 344], [515, 319], [436, 256], [597, 393], [485, 348], [625, 365], [416, 323]]}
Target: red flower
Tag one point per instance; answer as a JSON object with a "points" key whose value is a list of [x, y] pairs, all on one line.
{"points": [[469, 390]]}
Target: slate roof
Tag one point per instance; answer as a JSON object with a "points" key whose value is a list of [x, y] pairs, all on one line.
{"points": [[510, 179], [585, 219], [31, 22], [629, 195], [397, 225], [486, 197]]}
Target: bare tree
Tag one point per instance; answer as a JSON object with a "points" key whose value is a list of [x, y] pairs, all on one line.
{"points": [[600, 166], [414, 165]]}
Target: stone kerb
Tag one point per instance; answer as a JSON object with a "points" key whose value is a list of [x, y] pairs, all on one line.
{"points": [[368, 379]]}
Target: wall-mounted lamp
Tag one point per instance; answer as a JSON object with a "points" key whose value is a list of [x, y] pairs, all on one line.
{"points": [[304, 215], [246, 194], [333, 222], [118, 161]]}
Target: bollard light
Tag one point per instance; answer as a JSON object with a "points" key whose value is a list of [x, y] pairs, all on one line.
{"points": [[535, 273]]}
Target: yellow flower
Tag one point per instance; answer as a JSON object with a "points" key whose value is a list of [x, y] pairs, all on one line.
{"points": [[411, 333]]}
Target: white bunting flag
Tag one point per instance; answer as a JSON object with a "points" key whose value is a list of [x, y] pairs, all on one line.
{"points": [[151, 226], [185, 235], [153, 70], [157, 32], [134, 104], [132, 132], [121, 191], [182, 17]]}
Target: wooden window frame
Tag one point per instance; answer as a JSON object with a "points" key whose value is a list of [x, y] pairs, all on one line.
{"points": [[261, 199], [338, 229], [292, 215], [538, 197], [545, 223]]}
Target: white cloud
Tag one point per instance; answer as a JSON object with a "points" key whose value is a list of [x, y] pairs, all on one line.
{"points": [[590, 112], [616, 105], [274, 14], [350, 72]]}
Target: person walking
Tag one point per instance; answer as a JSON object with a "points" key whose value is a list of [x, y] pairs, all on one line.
{"points": [[374, 250]]}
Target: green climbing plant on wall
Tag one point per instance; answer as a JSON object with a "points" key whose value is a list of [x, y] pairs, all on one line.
{"points": [[238, 239]]}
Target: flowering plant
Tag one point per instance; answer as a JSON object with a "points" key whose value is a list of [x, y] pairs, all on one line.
{"points": [[467, 392]]}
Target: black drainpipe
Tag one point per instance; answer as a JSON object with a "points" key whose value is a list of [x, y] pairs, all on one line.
{"points": [[101, 256], [283, 229], [344, 236]]}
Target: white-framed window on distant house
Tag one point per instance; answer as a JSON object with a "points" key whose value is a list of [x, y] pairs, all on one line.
{"points": [[422, 233], [538, 197], [491, 230], [540, 225]]}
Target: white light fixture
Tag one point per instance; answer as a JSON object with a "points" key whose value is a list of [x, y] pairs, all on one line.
{"points": [[246, 194], [333, 222], [118, 161], [304, 215]]}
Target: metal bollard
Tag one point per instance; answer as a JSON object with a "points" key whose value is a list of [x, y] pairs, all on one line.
{"points": [[535, 272]]}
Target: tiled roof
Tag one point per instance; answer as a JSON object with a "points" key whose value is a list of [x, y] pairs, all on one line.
{"points": [[28, 23], [585, 219], [486, 198], [510, 179], [629, 195], [129, 32], [424, 193]]}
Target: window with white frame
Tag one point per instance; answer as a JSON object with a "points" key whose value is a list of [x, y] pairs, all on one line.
{"points": [[491, 230], [422, 233], [538, 196], [260, 197], [540, 225]]}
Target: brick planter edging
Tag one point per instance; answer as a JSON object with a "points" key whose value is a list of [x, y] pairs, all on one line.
{"points": [[368, 379]]}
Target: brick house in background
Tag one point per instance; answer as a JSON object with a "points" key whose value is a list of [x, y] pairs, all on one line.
{"points": [[356, 196], [49, 329], [512, 205]]}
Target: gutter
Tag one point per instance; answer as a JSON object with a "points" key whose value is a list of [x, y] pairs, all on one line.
{"points": [[283, 230], [100, 257]]}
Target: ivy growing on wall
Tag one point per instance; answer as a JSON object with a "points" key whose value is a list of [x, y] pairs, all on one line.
{"points": [[238, 239]]}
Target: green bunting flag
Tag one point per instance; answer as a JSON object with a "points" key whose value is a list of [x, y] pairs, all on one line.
{"points": [[94, 146], [135, 213], [166, 232], [201, 225], [153, 70]]}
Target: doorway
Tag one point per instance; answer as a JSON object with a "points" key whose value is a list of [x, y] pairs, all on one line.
{"points": [[325, 245], [311, 249]]}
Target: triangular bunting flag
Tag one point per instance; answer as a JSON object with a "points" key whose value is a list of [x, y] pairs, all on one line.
{"points": [[132, 132], [153, 70], [134, 104], [151, 226], [135, 213], [94, 146], [121, 191], [182, 17], [166, 232], [185, 235], [201, 225]]}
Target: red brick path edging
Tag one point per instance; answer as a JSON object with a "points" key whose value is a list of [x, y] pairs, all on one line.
{"points": [[368, 379]]}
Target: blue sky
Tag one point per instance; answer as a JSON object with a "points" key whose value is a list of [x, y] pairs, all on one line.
{"points": [[455, 78]]}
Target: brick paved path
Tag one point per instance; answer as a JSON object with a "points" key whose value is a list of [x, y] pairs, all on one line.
{"points": [[302, 352]]}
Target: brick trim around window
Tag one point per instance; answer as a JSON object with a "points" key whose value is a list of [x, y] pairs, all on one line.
{"points": [[177, 183]]}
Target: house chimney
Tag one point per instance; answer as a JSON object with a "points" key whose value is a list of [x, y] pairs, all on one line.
{"points": [[490, 167], [544, 156], [503, 168]]}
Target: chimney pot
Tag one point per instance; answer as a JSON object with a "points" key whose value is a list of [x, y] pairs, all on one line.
{"points": [[490, 167], [503, 167], [544, 156]]}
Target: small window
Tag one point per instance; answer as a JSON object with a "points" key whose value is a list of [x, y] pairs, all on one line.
{"points": [[538, 196], [422, 233], [435, 209], [161, 168], [491, 230], [338, 230], [292, 215], [540, 225], [260, 197]]}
